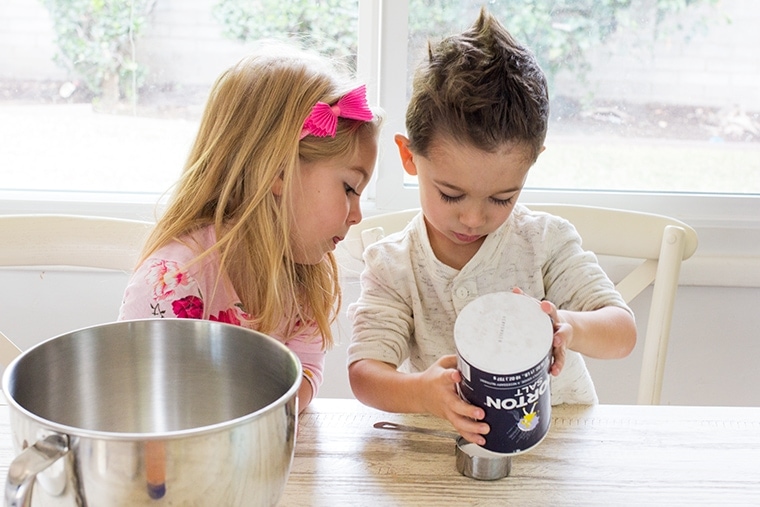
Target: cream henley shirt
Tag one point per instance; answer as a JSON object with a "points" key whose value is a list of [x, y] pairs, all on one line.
{"points": [[409, 300]]}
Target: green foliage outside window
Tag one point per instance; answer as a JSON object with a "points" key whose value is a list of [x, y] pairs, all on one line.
{"points": [[329, 26], [96, 40], [559, 32]]}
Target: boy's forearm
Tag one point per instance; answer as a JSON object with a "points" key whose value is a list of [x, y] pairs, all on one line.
{"points": [[607, 333], [382, 386]]}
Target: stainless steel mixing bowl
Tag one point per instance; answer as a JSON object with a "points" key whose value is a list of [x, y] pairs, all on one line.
{"points": [[152, 412]]}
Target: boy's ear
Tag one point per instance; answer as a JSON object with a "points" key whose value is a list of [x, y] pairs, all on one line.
{"points": [[407, 158]]}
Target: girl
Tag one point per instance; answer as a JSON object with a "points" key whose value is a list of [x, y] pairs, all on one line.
{"points": [[285, 147]]}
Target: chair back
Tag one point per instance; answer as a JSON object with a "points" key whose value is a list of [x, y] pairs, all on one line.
{"points": [[657, 243], [71, 241]]}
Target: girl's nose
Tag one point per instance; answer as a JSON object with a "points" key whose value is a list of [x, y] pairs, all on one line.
{"points": [[354, 213]]}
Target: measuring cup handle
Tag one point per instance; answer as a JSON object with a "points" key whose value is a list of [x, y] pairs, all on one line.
{"points": [[385, 425], [26, 466]]}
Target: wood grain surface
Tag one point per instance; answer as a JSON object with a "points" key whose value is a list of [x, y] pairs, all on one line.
{"points": [[599, 455]]}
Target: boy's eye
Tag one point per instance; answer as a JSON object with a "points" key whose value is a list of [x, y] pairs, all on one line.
{"points": [[349, 189], [449, 198], [501, 202]]}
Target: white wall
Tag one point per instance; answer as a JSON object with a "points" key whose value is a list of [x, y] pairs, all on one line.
{"points": [[37, 304], [712, 356]]}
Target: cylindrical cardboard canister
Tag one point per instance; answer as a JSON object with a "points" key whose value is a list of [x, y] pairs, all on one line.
{"points": [[504, 349]]}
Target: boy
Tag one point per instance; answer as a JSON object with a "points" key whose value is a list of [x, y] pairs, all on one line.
{"points": [[476, 123]]}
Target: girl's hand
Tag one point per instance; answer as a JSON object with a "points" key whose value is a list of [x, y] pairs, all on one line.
{"points": [[439, 383], [563, 333]]}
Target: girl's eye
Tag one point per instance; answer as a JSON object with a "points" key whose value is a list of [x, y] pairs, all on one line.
{"points": [[501, 202], [450, 199], [349, 189]]}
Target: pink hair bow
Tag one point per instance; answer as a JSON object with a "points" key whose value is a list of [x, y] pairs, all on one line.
{"points": [[323, 119]]}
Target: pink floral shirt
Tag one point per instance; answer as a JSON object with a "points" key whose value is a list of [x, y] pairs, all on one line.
{"points": [[166, 285]]}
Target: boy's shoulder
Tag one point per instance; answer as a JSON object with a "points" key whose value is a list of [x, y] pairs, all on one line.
{"points": [[537, 225], [398, 237], [396, 243], [523, 215]]}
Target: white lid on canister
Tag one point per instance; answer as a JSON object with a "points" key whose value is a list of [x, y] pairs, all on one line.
{"points": [[503, 333]]}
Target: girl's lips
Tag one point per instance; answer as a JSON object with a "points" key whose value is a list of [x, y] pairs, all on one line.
{"points": [[464, 238], [337, 239]]}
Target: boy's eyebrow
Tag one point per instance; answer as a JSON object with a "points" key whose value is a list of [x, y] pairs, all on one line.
{"points": [[457, 189]]}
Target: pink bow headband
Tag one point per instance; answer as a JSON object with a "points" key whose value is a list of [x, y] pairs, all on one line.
{"points": [[323, 119]]}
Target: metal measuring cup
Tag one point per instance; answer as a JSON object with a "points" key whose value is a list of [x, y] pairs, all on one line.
{"points": [[471, 460]]}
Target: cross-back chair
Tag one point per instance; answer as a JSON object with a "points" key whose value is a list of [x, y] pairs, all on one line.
{"points": [[68, 240], [659, 242]]}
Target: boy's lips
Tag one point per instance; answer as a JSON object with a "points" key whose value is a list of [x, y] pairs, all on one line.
{"points": [[466, 238]]}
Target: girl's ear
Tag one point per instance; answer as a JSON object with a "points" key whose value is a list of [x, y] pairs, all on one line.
{"points": [[277, 186], [407, 158]]}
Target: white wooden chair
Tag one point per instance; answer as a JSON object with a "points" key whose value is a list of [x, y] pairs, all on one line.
{"points": [[68, 240], [658, 243]]}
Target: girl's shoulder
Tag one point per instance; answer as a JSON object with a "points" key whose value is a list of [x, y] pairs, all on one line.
{"points": [[187, 247], [184, 257]]}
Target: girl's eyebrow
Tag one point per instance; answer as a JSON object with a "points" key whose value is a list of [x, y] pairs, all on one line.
{"points": [[362, 170], [457, 189]]}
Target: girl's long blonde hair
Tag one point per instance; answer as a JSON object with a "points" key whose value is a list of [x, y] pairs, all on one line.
{"points": [[248, 139]]}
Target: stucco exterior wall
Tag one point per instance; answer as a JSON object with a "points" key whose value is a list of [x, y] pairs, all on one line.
{"points": [[184, 46]]}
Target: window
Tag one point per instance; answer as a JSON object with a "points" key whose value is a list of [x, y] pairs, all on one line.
{"points": [[655, 102], [76, 136], [664, 118]]}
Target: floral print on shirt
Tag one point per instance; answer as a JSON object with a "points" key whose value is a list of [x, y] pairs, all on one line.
{"points": [[227, 316], [170, 285], [189, 307], [165, 277]]}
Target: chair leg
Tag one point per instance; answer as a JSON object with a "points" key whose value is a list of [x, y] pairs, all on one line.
{"points": [[8, 350], [660, 315]]}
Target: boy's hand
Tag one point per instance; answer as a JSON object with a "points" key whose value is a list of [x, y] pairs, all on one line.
{"points": [[439, 383], [563, 336], [563, 333]]}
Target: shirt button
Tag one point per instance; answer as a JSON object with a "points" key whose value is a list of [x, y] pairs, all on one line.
{"points": [[462, 292]]}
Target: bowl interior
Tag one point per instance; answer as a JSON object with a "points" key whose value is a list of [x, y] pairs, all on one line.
{"points": [[152, 376]]}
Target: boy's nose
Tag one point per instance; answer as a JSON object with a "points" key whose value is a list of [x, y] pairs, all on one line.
{"points": [[472, 217]]}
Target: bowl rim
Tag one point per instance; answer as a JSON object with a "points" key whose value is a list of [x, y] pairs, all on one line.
{"points": [[74, 431]]}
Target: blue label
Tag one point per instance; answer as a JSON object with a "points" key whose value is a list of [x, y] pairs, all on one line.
{"points": [[517, 405]]}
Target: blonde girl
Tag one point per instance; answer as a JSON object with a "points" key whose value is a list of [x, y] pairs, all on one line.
{"points": [[272, 183]]}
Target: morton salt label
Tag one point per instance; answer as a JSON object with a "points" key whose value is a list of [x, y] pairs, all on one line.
{"points": [[504, 348]]}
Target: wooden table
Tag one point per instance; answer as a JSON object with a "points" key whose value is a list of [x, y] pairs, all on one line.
{"points": [[603, 455], [600, 455]]}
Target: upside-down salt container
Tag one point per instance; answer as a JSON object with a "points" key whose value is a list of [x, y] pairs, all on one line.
{"points": [[504, 349]]}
